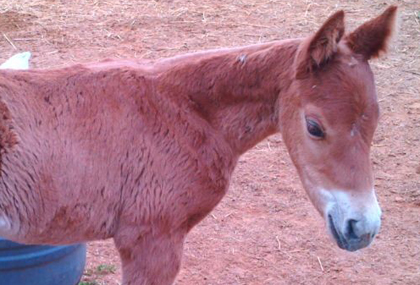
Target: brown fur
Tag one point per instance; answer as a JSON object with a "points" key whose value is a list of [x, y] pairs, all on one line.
{"points": [[142, 152], [319, 49], [373, 37]]}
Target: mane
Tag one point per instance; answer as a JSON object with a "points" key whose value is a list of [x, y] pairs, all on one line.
{"points": [[163, 64]]}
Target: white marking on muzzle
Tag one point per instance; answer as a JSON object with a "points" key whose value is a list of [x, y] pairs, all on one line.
{"points": [[356, 216]]}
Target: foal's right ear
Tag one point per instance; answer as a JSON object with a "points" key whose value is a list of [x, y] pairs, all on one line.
{"points": [[318, 49]]}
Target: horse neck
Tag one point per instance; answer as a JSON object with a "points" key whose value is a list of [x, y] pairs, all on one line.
{"points": [[236, 91]]}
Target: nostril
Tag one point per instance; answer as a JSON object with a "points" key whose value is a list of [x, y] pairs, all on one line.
{"points": [[351, 234]]}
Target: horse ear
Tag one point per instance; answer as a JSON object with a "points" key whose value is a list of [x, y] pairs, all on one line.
{"points": [[318, 49], [372, 38]]}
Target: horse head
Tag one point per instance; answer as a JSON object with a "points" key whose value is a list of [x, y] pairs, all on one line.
{"points": [[329, 125]]}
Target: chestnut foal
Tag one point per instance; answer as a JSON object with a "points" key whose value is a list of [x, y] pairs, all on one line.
{"points": [[141, 152]]}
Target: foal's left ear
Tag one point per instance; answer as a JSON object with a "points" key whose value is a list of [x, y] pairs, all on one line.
{"points": [[372, 38], [318, 49]]}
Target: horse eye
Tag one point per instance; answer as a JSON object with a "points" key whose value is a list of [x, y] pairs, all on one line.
{"points": [[314, 129]]}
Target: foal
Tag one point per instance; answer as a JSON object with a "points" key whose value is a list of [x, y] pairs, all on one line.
{"points": [[143, 152]]}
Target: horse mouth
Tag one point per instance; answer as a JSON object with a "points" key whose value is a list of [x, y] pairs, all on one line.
{"points": [[339, 238], [350, 243]]}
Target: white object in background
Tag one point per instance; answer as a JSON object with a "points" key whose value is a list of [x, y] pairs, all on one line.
{"points": [[18, 61]]}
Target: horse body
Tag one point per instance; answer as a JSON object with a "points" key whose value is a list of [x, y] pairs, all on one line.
{"points": [[107, 144], [141, 152]]}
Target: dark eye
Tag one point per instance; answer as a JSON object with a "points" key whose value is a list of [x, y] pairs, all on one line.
{"points": [[314, 129]]}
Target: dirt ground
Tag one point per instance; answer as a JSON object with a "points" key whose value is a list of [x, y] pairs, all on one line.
{"points": [[265, 231]]}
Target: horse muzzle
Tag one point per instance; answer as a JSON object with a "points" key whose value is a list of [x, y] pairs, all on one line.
{"points": [[353, 225], [350, 240]]}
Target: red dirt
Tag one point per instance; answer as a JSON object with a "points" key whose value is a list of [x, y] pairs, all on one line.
{"points": [[265, 231]]}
